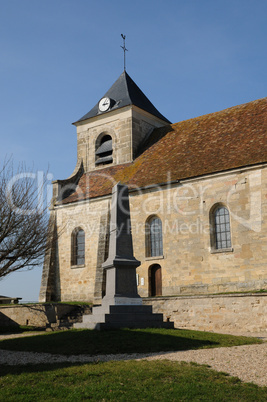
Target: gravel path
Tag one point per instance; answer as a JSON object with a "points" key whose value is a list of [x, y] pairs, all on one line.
{"points": [[248, 362]]}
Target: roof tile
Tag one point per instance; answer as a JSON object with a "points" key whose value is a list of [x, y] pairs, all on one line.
{"points": [[235, 137]]}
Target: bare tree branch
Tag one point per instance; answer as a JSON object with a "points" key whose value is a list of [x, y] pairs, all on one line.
{"points": [[25, 233]]}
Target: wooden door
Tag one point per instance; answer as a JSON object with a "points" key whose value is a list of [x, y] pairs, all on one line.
{"points": [[155, 280]]}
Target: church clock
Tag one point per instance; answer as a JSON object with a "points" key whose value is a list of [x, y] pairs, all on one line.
{"points": [[104, 104]]}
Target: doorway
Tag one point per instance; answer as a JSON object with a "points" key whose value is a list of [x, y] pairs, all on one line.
{"points": [[155, 280]]}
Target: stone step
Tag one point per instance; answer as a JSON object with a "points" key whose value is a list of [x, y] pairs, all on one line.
{"points": [[122, 309], [132, 317], [122, 317], [117, 325], [93, 318], [126, 318], [84, 325]]}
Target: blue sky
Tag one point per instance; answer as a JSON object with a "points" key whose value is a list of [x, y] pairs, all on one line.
{"points": [[58, 57]]}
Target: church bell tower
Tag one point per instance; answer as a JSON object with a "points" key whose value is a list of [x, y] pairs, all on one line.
{"points": [[113, 130]]}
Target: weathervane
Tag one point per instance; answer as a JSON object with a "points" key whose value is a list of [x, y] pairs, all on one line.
{"points": [[124, 50]]}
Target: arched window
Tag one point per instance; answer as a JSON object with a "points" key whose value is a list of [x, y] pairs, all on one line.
{"points": [[222, 230], [103, 150], [78, 247], [154, 245]]}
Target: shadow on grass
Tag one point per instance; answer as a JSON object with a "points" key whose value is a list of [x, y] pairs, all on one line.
{"points": [[35, 368], [90, 342], [11, 330]]}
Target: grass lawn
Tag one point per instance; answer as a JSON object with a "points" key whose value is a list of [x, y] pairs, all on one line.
{"points": [[91, 342], [124, 381]]}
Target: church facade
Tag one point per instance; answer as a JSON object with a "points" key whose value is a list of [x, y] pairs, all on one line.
{"points": [[198, 199]]}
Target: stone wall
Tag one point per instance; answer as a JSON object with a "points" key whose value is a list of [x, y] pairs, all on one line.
{"points": [[82, 282], [190, 264], [36, 315], [237, 313]]}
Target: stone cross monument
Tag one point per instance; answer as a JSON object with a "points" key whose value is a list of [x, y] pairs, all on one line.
{"points": [[121, 306], [121, 287]]}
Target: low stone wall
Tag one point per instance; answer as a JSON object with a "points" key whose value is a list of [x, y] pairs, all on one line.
{"points": [[37, 315], [218, 313]]}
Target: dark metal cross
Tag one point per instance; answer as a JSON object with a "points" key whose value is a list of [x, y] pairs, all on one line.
{"points": [[124, 50]]}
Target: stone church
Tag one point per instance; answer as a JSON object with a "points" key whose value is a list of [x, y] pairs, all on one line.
{"points": [[198, 199]]}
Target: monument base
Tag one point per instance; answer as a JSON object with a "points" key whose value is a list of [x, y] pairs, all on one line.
{"points": [[123, 316], [122, 301]]}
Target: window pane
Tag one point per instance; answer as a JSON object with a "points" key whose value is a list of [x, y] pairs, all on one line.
{"points": [[222, 219], [156, 248], [78, 248], [222, 228]]}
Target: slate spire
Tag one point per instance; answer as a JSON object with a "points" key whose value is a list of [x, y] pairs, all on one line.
{"points": [[125, 92]]}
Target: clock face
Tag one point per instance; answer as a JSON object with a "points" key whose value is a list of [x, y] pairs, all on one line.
{"points": [[104, 104]]}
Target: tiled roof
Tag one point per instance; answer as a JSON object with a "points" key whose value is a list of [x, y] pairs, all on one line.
{"points": [[216, 142], [96, 183]]}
